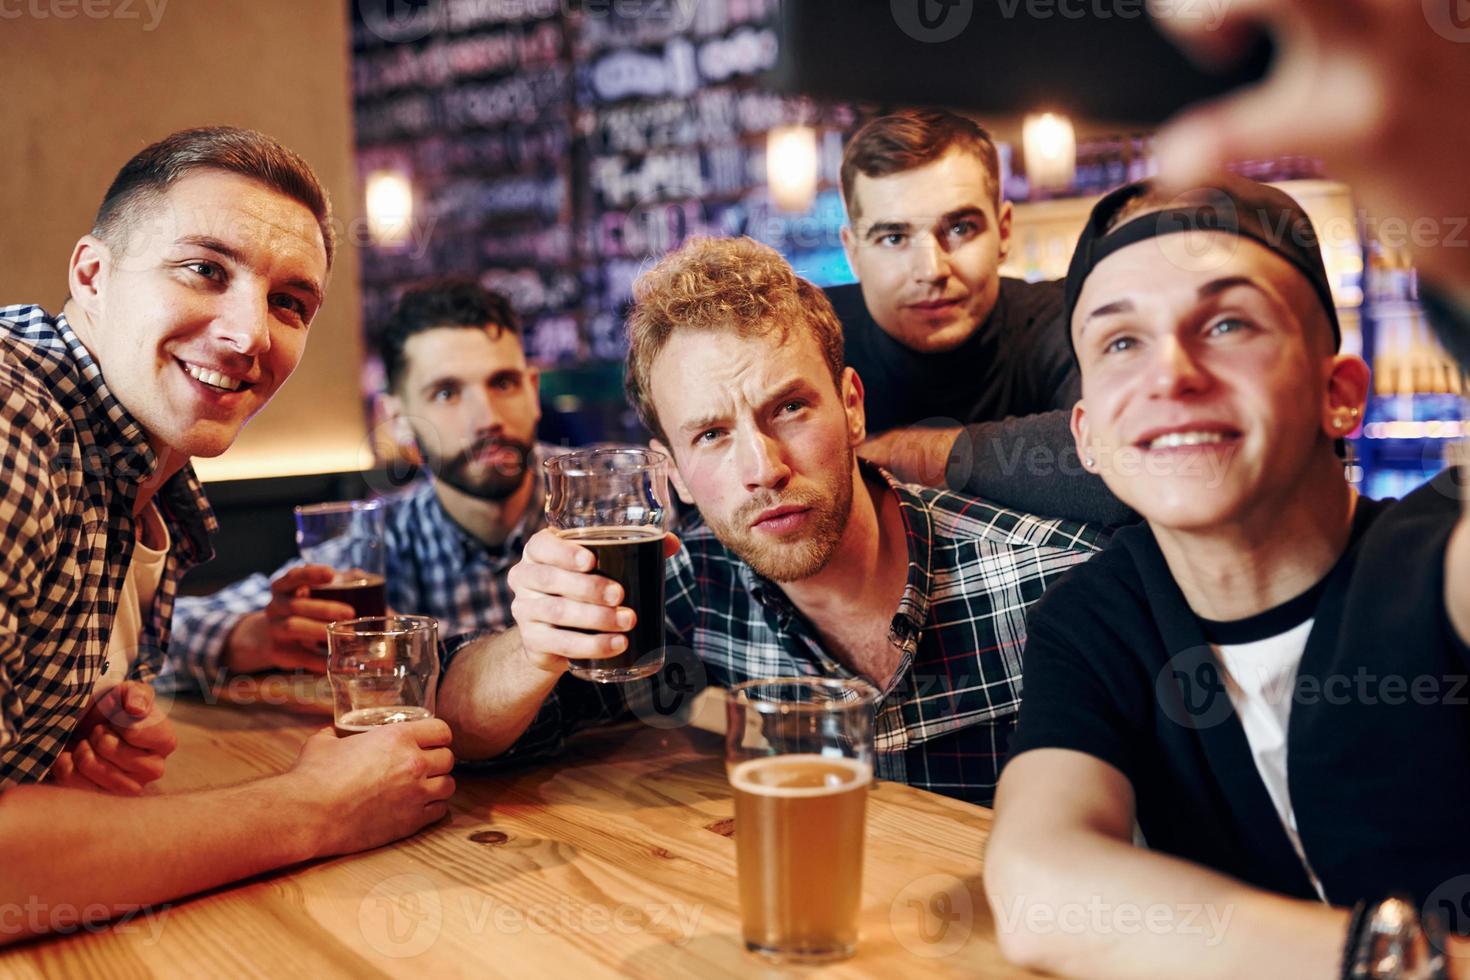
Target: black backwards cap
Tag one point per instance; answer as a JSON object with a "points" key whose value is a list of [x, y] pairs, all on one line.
{"points": [[1228, 204]]}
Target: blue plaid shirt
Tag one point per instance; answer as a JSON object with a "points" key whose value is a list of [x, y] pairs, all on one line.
{"points": [[944, 721], [73, 463], [433, 566]]}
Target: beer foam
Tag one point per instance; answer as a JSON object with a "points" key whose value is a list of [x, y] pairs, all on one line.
{"points": [[366, 719], [611, 533], [745, 778]]}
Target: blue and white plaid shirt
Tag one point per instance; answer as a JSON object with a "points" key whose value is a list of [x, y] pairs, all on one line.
{"points": [[433, 566], [944, 722], [73, 463]]}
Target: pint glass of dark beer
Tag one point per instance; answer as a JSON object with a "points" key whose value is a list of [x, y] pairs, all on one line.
{"points": [[614, 502], [383, 669], [348, 536], [799, 754]]}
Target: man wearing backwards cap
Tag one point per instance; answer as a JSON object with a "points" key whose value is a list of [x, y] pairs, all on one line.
{"points": [[1266, 679]]}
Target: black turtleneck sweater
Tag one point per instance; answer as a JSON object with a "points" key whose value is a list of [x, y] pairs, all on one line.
{"points": [[1012, 386], [1017, 363]]}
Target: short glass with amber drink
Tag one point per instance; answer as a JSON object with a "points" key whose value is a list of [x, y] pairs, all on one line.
{"points": [[347, 535], [799, 755]]}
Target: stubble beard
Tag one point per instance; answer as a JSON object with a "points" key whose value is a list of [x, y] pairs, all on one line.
{"points": [[794, 560]]}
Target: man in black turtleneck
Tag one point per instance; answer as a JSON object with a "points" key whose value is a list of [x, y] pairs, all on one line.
{"points": [[940, 338]]}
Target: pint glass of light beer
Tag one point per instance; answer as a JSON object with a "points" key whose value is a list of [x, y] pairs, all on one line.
{"points": [[799, 754], [614, 503], [383, 669]]}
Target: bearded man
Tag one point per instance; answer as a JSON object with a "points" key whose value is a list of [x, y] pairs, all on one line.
{"points": [[803, 559], [462, 396]]}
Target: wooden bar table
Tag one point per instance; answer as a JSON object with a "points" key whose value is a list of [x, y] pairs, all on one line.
{"points": [[614, 859]]}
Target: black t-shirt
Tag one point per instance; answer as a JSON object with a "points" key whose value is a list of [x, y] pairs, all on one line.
{"points": [[1378, 741], [1017, 362]]}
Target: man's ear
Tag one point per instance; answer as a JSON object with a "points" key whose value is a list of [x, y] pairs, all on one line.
{"points": [[87, 273], [393, 408], [1080, 434], [1003, 228], [533, 381], [675, 477], [403, 435], [852, 404], [1347, 395], [850, 246]]}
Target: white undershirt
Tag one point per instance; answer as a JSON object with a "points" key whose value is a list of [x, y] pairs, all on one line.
{"points": [[135, 602], [1260, 679]]}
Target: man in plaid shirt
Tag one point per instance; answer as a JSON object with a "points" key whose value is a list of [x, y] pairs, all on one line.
{"points": [[464, 401], [189, 306], [804, 561]]}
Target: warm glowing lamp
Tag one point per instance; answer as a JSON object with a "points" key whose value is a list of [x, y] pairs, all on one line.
{"points": [[791, 167], [389, 207], [1051, 151]]}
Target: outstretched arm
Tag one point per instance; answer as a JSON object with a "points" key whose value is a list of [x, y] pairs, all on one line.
{"points": [[1027, 463], [1072, 895]]}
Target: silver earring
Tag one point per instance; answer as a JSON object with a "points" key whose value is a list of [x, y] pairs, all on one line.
{"points": [[1088, 462]]}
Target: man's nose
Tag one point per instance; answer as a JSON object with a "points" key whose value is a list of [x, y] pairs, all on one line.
{"points": [[244, 322], [929, 260], [1176, 370], [480, 410], [761, 462]]}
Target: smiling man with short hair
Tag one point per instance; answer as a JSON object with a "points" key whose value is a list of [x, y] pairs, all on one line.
{"points": [[940, 338], [1266, 679], [189, 306], [931, 325]]}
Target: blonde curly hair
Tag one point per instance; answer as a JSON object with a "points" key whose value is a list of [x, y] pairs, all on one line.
{"points": [[721, 284]]}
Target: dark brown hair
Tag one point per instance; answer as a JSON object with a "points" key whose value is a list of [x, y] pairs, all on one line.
{"points": [[157, 167], [911, 138], [453, 301]]}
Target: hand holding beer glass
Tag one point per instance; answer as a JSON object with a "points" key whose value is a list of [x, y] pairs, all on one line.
{"points": [[799, 754], [613, 503], [383, 669], [348, 536]]}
